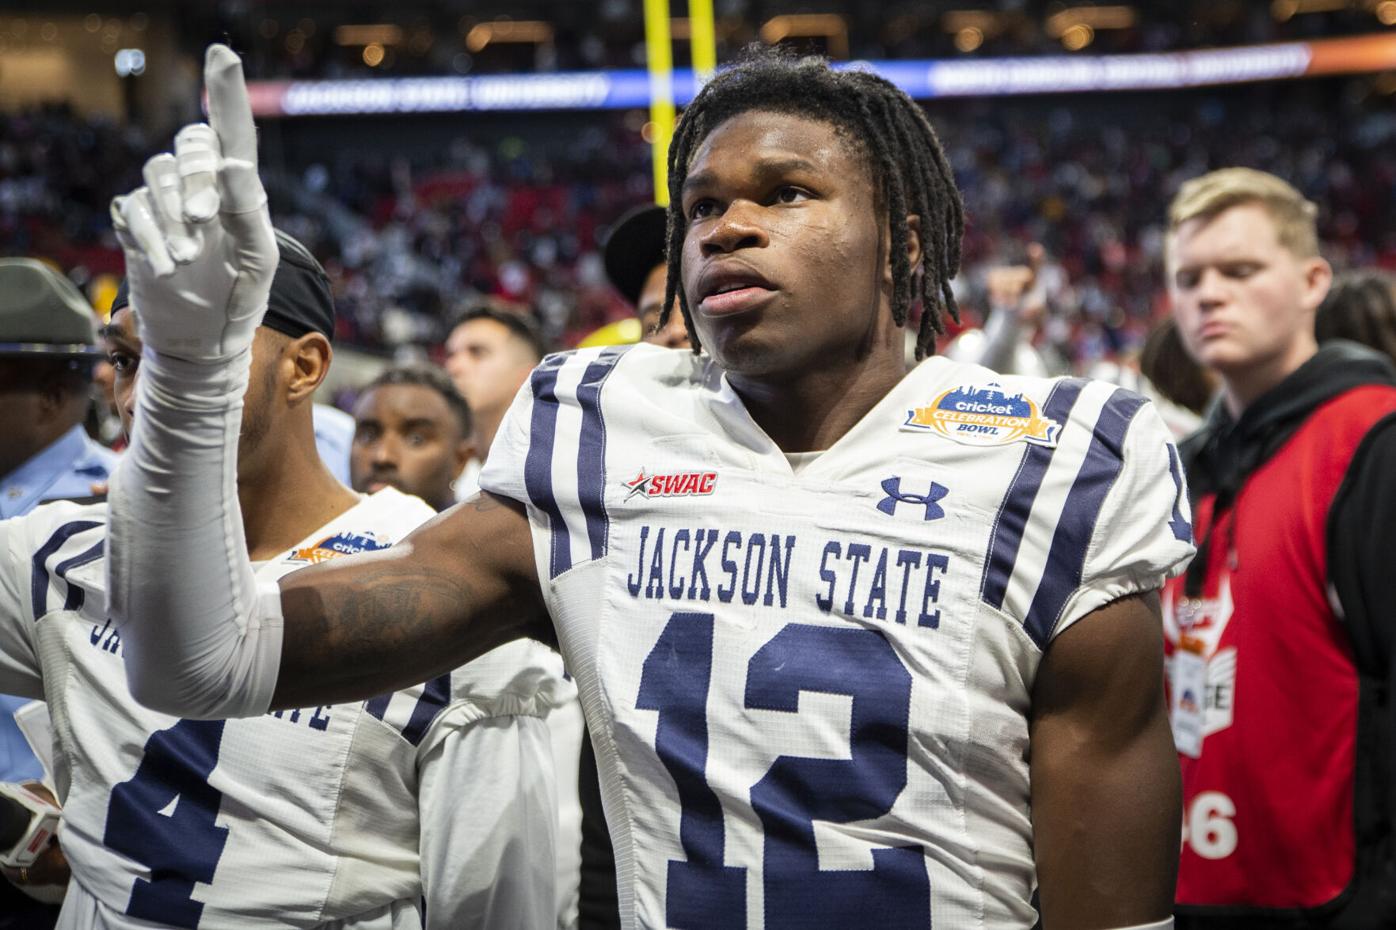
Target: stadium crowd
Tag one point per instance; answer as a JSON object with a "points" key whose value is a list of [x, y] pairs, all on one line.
{"points": [[412, 241]]}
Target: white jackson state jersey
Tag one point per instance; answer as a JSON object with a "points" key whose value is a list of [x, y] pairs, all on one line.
{"points": [[808, 688], [299, 818]]}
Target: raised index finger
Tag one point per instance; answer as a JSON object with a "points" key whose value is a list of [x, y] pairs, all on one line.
{"points": [[229, 111]]}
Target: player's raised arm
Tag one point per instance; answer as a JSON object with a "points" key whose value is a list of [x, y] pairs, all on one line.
{"points": [[200, 638]]}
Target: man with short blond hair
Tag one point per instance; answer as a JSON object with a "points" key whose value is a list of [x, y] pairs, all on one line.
{"points": [[1292, 214], [1280, 634]]}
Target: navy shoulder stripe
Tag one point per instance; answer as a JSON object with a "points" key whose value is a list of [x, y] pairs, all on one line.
{"points": [[39, 579], [1011, 521], [413, 724], [1067, 556], [538, 464], [435, 695], [590, 459], [591, 450]]}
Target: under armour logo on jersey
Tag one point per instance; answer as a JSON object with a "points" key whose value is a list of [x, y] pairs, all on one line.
{"points": [[893, 488]]}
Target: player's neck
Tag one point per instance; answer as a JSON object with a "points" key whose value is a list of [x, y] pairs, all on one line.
{"points": [[291, 496], [812, 411]]}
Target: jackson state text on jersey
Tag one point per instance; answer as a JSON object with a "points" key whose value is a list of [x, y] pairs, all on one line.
{"points": [[809, 691]]}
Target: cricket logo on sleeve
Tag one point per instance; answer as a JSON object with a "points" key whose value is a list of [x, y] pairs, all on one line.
{"points": [[332, 547], [983, 416], [679, 484]]}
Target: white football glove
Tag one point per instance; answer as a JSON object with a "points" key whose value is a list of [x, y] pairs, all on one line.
{"points": [[200, 251]]}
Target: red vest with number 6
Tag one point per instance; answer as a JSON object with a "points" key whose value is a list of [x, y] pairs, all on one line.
{"points": [[1268, 788]]}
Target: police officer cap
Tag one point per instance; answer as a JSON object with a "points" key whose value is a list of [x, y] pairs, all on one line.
{"points": [[300, 300], [43, 313]]}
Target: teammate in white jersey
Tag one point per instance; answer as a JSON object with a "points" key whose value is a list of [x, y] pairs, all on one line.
{"points": [[330, 816], [858, 647]]}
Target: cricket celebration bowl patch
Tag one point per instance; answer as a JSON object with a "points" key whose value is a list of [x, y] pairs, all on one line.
{"points": [[332, 547], [983, 416]]}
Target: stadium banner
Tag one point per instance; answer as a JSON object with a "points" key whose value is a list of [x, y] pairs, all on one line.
{"points": [[923, 79]]}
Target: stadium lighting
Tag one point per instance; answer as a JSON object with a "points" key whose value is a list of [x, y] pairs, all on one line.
{"points": [[373, 54], [827, 26], [525, 31], [971, 28], [1077, 36], [969, 38], [1285, 10], [1094, 18], [1386, 12], [376, 34], [130, 62]]}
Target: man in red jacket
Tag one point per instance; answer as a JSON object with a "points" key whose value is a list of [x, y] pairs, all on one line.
{"points": [[1280, 635]]}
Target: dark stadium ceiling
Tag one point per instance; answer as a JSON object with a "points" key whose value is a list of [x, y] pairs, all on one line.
{"points": [[201, 11], [306, 37], [580, 9]]}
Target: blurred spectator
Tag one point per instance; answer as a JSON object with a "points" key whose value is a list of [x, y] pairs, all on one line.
{"points": [[1280, 635], [1177, 376], [1360, 306], [1018, 297], [412, 432], [635, 266], [489, 355]]}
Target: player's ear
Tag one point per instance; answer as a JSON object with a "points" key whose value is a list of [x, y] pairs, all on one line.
{"points": [[913, 249], [310, 357]]}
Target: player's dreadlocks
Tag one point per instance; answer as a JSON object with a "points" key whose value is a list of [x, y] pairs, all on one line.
{"points": [[909, 169]]}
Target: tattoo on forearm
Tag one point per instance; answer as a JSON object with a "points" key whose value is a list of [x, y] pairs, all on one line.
{"points": [[385, 619]]}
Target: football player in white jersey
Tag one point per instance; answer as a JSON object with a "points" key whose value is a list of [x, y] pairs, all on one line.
{"points": [[858, 646], [328, 816]]}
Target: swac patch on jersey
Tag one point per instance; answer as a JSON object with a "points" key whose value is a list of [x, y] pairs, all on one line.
{"points": [[332, 547], [679, 484], [984, 416]]}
